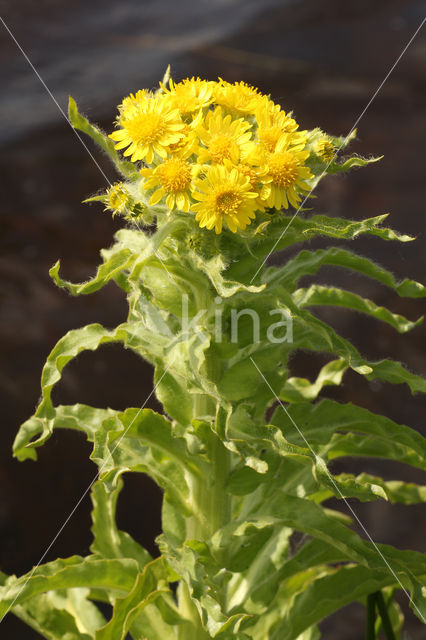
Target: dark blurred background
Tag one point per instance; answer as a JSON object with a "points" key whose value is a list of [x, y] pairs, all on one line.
{"points": [[322, 59]]}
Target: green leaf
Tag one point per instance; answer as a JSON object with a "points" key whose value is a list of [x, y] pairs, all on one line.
{"points": [[309, 262], [310, 600], [79, 417], [150, 586], [174, 396], [61, 614], [81, 123], [134, 335], [407, 567], [108, 541], [301, 389], [396, 490], [350, 163], [286, 230], [91, 572], [319, 422], [332, 296], [249, 440], [141, 440], [206, 581], [313, 334], [396, 373], [107, 271], [214, 268]]}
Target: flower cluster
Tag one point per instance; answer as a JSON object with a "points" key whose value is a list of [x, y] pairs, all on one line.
{"points": [[222, 151]]}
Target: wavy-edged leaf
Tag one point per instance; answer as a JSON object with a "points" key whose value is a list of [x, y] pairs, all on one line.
{"points": [[141, 440], [396, 490], [81, 123], [108, 270], [61, 614], [206, 584], [313, 334], [317, 594], [91, 572], [133, 335], [79, 417], [301, 389], [250, 439], [318, 423], [309, 262], [405, 567], [318, 295], [214, 268], [396, 373], [150, 587], [108, 540], [350, 163]]}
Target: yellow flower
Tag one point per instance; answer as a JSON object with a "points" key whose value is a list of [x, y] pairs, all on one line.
{"points": [[224, 138], [133, 101], [239, 97], [272, 123], [287, 173], [325, 150], [173, 176], [149, 128], [224, 196], [188, 144], [189, 95], [118, 199]]}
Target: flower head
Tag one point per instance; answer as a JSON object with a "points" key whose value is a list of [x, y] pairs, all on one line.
{"points": [[173, 177], [133, 101], [189, 95], [287, 174], [238, 97], [223, 138], [272, 123], [148, 128], [224, 196], [325, 150]]}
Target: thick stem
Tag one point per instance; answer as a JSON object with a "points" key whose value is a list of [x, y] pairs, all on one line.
{"points": [[212, 500]]}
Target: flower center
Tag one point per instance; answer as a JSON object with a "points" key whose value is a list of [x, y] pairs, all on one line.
{"points": [[174, 175], [145, 128], [283, 169], [227, 202]]}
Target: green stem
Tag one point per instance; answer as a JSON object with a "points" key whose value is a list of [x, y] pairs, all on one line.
{"points": [[209, 494], [370, 633], [383, 610]]}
